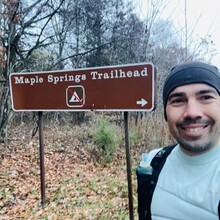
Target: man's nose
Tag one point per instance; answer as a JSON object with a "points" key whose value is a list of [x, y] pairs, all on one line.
{"points": [[192, 109]]}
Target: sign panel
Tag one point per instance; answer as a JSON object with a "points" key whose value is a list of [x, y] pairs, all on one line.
{"points": [[110, 88]]}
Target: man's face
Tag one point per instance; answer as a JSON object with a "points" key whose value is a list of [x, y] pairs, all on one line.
{"points": [[193, 116]]}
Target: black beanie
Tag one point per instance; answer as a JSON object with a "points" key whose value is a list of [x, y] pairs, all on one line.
{"points": [[188, 73]]}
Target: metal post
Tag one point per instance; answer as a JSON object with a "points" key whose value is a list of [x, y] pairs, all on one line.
{"points": [[128, 160], [42, 171]]}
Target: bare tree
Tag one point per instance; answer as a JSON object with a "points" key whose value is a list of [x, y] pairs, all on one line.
{"points": [[19, 41]]}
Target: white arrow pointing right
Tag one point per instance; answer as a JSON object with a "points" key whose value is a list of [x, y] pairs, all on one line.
{"points": [[142, 102]]}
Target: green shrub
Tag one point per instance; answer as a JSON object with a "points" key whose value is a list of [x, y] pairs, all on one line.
{"points": [[106, 139]]}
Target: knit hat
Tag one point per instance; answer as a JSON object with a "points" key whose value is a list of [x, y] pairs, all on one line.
{"points": [[188, 73]]}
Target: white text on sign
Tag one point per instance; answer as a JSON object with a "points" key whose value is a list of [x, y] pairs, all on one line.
{"points": [[94, 75]]}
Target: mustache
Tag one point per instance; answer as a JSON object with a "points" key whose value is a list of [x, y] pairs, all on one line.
{"points": [[190, 121]]}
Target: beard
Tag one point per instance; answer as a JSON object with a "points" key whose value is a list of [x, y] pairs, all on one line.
{"points": [[195, 144]]}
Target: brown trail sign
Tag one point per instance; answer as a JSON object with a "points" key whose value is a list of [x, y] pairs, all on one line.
{"points": [[113, 88]]}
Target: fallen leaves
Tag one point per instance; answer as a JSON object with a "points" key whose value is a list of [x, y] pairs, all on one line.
{"points": [[75, 187]]}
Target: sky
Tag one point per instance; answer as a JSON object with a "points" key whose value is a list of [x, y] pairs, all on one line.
{"points": [[203, 17]]}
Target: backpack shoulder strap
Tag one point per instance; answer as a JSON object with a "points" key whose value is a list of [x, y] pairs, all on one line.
{"points": [[219, 210], [157, 164], [160, 158]]}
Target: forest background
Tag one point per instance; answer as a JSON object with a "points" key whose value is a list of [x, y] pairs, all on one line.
{"points": [[85, 155]]}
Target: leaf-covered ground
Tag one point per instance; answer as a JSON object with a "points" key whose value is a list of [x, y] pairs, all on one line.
{"points": [[76, 188]]}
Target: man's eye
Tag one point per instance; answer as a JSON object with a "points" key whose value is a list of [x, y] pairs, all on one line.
{"points": [[206, 97], [176, 101]]}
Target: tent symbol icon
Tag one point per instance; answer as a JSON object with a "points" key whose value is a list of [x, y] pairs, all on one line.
{"points": [[75, 96]]}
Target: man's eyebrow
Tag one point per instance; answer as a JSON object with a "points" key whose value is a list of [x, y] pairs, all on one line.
{"points": [[200, 92], [176, 94], [205, 91]]}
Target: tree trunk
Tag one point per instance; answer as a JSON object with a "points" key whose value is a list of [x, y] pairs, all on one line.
{"points": [[4, 111]]}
